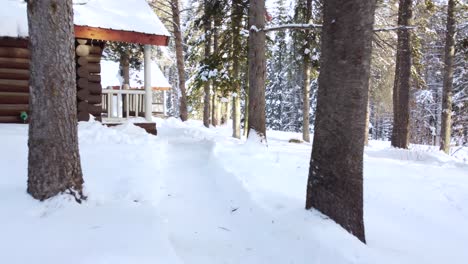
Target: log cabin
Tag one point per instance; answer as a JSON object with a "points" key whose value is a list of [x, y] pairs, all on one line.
{"points": [[96, 23]]}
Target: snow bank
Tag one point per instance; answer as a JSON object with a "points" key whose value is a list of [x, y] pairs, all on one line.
{"points": [[196, 195]]}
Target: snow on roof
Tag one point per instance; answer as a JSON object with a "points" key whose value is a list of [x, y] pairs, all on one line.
{"points": [[110, 76], [126, 15]]}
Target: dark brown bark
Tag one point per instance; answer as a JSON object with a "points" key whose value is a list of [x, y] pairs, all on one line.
{"points": [[54, 160], [446, 121], [180, 60], [401, 87], [206, 88], [237, 11], [335, 184], [215, 103], [257, 68]]}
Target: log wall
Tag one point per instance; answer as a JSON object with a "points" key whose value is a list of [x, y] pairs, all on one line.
{"points": [[14, 79], [88, 78]]}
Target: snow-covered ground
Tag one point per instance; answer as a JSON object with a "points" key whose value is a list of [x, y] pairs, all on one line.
{"points": [[196, 195]]}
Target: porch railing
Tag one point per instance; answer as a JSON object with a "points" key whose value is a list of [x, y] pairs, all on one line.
{"points": [[119, 105]]}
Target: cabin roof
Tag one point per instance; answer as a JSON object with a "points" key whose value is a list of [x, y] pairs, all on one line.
{"points": [[114, 20], [110, 76]]}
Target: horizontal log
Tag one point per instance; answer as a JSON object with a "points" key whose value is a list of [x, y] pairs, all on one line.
{"points": [[83, 116], [85, 50], [11, 119], [95, 88], [95, 110], [12, 109], [94, 99], [9, 52], [94, 58], [82, 83], [14, 63], [82, 61], [14, 74], [82, 72], [82, 106], [83, 94], [14, 86], [93, 67], [82, 41], [14, 42], [14, 98], [94, 78]]}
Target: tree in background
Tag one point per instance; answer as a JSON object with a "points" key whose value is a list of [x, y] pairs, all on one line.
{"points": [[257, 68], [53, 160], [237, 12], [180, 59], [335, 184], [446, 129], [401, 88]]}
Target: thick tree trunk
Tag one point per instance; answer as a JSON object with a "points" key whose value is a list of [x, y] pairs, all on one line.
{"points": [[257, 68], [180, 60], [236, 14], [335, 184], [446, 122], [54, 160], [206, 100], [306, 81], [401, 88]]}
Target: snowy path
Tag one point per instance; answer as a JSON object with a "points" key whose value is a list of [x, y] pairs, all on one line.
{"points": [[211, 217]]}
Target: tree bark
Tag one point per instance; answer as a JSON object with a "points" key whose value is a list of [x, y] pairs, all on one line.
{"points": [[237, 11], [306, 81], [401, 87], [180, 60], [335, 184], [207, 101], [446, 122], [257, 68], [54, 160]]}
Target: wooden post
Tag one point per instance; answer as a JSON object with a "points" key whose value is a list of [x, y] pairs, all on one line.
{"points": [[148, 90]]}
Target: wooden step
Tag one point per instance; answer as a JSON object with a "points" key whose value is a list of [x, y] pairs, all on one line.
{"points": [[14, 98]]}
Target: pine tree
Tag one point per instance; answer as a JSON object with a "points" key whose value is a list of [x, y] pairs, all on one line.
{"points": [[335, 184], [446, 129], [54, 160], [401, 90]]}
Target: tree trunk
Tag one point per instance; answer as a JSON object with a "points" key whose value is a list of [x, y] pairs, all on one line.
{"points": [[366, 131], [237, 11], [257, 68], [306, 81], [335, 184], [401, 87], [125, 68], [215, 103], [180, 60], [54, 160], [446, 122], [207, 27]]}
